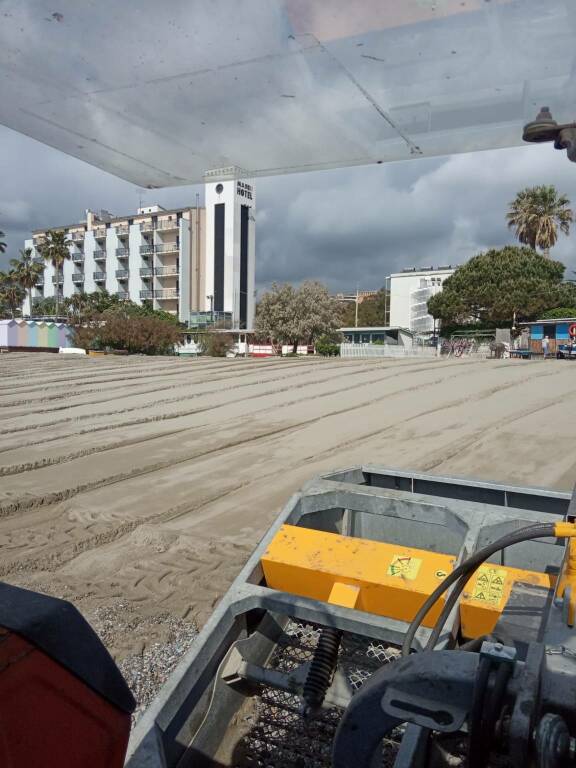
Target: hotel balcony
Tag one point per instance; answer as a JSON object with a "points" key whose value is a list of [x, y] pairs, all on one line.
{"points": [[124, 295], [146, 271], [78, 258], [122, 230], [78, 277], [166, 271], [167, 225], [99, 255], [146, 250], [167, 248], [39, 282], [122, 253], [166, 293], [100, 233], [147, 226], [58, 279], [99, 277], [122, 274], [77, 237], [146, 294]]}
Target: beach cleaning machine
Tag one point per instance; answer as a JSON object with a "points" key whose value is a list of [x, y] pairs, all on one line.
{"points": [[386, 619]]}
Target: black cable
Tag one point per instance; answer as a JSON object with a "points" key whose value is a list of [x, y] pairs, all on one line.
{"points": [[461, 575]]}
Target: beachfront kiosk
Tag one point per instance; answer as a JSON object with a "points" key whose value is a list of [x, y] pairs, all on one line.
{"points": [[558, 332]]}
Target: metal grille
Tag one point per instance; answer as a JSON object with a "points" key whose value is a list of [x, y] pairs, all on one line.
{"points": [[278, 736]]}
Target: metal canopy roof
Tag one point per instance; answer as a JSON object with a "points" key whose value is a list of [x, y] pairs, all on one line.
{"points": [[159, 93]]}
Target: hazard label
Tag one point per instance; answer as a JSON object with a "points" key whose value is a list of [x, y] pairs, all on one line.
{"points": [[404, 566], [489, 585]]}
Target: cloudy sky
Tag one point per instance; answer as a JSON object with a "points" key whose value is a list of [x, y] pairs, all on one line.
{"points": [[345, 228]]}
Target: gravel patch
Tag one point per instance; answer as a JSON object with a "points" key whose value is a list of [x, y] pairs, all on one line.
{"points": [[146, 671]]}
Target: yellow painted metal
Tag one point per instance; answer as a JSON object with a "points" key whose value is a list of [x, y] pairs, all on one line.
{"points": [[385, 579], [564, 529], [486, 594], [393, 580], [568, 579], [346, 595]]}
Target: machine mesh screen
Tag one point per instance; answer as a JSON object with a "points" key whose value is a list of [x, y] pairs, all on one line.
{"points": [[278, 736]]}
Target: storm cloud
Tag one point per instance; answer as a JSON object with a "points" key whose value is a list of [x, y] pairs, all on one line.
{"points": [[345, 227]]}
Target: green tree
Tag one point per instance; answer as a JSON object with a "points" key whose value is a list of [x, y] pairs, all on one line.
{"points": [[77, 306], [55, 250], [45, 306], [102, 301], [495, 285], [293, 316], [27, 271], [536, 215], [12, 294], [372, 312]]}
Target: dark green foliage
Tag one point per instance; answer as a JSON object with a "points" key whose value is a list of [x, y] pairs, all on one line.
{"points": [[552, 314], [328, 345], [494, 285]]}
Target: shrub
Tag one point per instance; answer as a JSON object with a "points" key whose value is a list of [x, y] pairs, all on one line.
{"points": [[138, 335], [215, 344], [327, 346]]}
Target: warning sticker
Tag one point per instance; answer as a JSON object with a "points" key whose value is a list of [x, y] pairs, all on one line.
{"points": [[404, 566], [489, 586]]}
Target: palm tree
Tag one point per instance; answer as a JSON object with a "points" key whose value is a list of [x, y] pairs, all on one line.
{"points": [[537, 213], [11, 292], [55, 250], [77, 306], [27, 271]]}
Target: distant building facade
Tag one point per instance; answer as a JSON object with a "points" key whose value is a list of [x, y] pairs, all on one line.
{"points": [[359, 296], [409, 294], [197, 263]]}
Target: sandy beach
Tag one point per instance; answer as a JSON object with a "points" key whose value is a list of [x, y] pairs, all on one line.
{"points": [[137, 487]]}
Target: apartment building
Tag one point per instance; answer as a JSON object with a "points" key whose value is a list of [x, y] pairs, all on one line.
{"points": [[409, 294], [197, 263]]}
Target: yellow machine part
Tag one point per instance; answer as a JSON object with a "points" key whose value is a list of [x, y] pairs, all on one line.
{"points": [[385, 579], [568, 580]]}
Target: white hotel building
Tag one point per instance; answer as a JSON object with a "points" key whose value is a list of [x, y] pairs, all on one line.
{"points": [[409, 294], [197, 263]]}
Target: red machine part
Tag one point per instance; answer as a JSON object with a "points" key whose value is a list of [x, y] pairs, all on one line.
{"points": [[49, 718]]}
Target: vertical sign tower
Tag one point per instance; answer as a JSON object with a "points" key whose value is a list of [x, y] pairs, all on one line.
{"points": [[230, 246]]}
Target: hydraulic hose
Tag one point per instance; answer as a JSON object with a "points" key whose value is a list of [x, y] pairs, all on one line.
{"points": [[464, 571]]}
